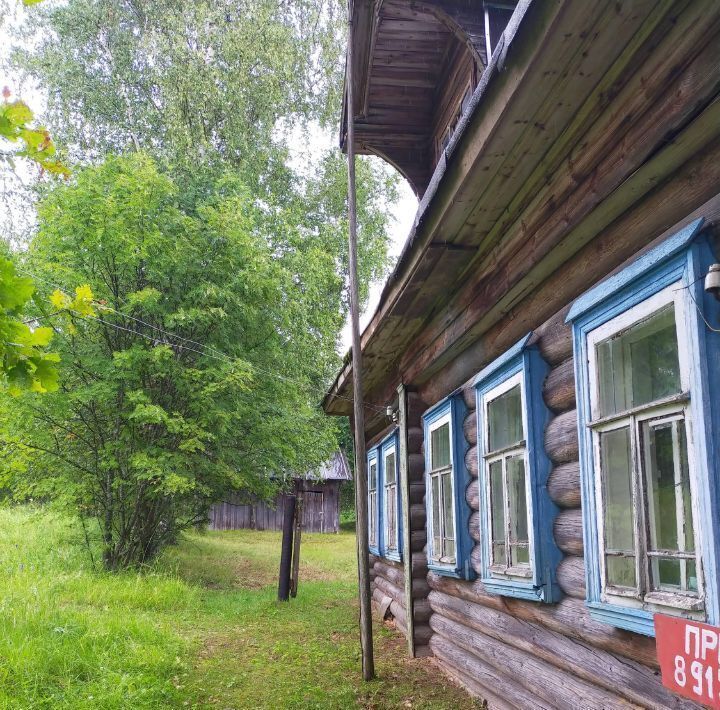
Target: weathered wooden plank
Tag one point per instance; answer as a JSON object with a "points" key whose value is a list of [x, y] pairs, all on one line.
{"points": [[564, 484], [474, 526], [471, 461], [559, 387], [561, 438]]}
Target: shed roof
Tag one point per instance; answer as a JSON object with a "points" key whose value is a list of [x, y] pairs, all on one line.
{"points": [[335, 468]]}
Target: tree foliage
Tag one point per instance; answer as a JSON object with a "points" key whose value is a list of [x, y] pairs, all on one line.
{"points": [[194, 377]]}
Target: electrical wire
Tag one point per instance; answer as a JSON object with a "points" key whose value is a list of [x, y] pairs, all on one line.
{"points": [[208, 351]]}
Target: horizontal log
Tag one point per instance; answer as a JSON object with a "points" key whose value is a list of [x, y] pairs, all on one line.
{"points": [[568, 617], [418, 540], [419, 564], [468, 393], [423, 634], [414, 439], [415, 408], [472, 495], [470, 428], [421, 611], [417, 491], [568, 531], [396, 576], [630, 680], [388, 589], [483, 679], [564, 484], [471, 461], [561, 438], [416, 467], [559, 387], [474, 526], [571, 576], [555, 338], [557, 687], [476, 559], [417, 516]]}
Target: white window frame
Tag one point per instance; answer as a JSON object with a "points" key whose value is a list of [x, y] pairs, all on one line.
{"points": [[506, 570], [670, 408], [390, 497], [432, 556], [373, 517]]}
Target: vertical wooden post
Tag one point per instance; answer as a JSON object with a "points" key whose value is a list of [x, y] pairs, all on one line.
{"points": [[296, 541], [405, 496], [286, 550], [361, 524]]}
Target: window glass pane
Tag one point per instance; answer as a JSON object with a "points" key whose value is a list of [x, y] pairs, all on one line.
{"points": [[372, 485], [620, 571], [668, 485], [440, 447], [449, 554], [436, 522], [520, 555], [504, 416], [448, 506], [515, 467], [497, 512], [692, 583], [390, 468], [392, 517], [617, 493], [666, 574], [372, 512], [639, 365]]}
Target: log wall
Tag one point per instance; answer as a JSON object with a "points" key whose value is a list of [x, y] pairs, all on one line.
{"points": [[517, 653], [387, 578]]}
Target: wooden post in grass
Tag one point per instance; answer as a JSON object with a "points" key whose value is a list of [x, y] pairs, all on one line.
{"points": [[296, 540], [286, 549], [361, 524]]}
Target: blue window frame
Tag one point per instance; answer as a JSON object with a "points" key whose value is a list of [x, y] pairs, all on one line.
{"points": [[519, 555], [373, 507], [648, 378], [446, 480], [384, 499]]}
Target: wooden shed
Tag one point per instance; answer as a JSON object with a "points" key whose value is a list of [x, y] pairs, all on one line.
{"points": [[320, 492], [548, 340]]}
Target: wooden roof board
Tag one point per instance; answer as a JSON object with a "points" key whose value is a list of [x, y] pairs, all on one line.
{"points": [[545, 210], [370, 340]]}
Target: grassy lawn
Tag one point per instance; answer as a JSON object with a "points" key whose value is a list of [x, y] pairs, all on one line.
{"points": [[201, 629]]}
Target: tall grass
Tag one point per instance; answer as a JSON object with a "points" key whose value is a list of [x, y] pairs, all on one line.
{"points": [[201, 628]]}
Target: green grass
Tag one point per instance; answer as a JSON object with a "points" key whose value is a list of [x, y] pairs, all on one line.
{"points": [[201, 629]]}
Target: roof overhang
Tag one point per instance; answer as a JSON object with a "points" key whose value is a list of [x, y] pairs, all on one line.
{"points": [[570, 86]]}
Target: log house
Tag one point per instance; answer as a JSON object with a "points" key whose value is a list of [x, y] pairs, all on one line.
{"points": [[547, 336]]}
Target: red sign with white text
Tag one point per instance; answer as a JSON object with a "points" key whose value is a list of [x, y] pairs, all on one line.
{"points": [[689, 656]]}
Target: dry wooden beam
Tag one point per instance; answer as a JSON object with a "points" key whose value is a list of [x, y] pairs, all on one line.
{"points": [[471, 461], [555, 338], [628, 679], [571, 576], [483, 679], [559, 387], [563, 690], [561, 438], [470, 428], [568, 531], [564, 484], [568, 617], [472, 495]]}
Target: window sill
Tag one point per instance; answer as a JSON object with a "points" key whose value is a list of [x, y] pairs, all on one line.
{"points": [[516, 589], [449, 571], [391, 555], [628, 618], [510, 574]]}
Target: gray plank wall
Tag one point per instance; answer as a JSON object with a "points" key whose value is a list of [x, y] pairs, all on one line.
{"points": [[321, 511]]}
